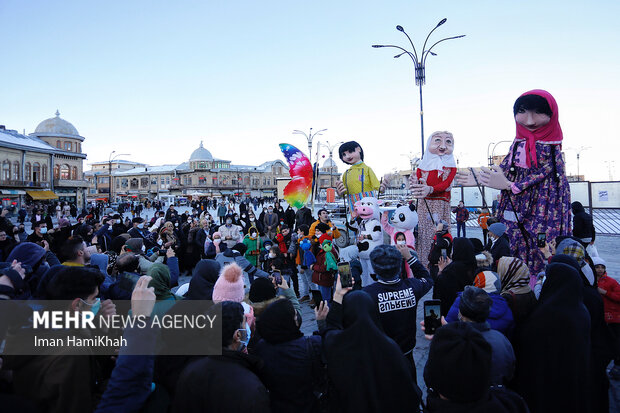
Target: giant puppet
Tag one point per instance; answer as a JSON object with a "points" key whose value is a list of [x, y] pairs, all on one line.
{"points": [[432, 187], [359, 181], [535, 195]]}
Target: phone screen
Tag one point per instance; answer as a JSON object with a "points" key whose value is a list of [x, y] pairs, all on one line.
{"points": [[316, 297], [344, 270], [542, 239], [278, 276], [444, 253], [432, 316]]}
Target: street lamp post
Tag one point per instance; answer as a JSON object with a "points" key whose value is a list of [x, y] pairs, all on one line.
{"points": [[489, 158], [419, 63], [309, 137], [495, 146], [330, 149], [581, 149], [110, 159]]}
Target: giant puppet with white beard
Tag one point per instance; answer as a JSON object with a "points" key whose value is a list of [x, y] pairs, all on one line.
{"points": [[432, 186]]}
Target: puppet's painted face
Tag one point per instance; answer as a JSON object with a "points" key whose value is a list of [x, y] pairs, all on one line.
{"points": [[531, 119], [441, 144], [352, 157]]}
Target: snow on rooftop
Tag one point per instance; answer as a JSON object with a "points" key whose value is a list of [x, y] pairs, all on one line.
{"points": [[12, 137]]}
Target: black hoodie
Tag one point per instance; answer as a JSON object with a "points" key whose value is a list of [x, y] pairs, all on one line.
{"points": [[583, 226], [458, 274]]}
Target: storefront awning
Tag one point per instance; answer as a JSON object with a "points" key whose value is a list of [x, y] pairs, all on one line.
{"points": [[42, 195]]}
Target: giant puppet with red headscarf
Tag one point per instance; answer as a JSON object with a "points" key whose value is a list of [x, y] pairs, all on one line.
{"points": [[432, 186], [535, 195]]}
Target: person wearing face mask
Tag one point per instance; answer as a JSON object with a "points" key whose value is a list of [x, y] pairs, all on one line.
{"points": [[39, 233], [118, 227], [64, 383], [252, 221], [138, 230], [252, 242], [206, 385], [270, 222], [230, 232]]}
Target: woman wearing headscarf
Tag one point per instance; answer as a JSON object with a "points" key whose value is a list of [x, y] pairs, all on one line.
{"points": [[367, 371], [293, 368], [203, 280], [535, 194], [515, 280], [553, 347], [601, 350], [160, 282], [168, 237], [456, 275]]}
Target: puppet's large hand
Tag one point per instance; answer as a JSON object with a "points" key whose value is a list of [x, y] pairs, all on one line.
{"points": [[465, 178], [340, 187], [494, 178], [420, 190]]}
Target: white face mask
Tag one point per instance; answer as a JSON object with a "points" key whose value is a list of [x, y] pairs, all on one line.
{"points": [[401, 242], [253, 235], [272, 255], [143, 248], [140, 226]]}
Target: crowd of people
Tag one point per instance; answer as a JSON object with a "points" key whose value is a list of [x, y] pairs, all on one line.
{"points": [[511, 341]]}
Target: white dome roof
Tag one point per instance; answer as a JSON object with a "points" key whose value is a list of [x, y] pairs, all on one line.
{"points": [[56, 126], [330, 163], [201, 154]]}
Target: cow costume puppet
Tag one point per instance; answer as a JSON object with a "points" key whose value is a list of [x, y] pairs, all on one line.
{"points": [[432, 186], [369, 234]]}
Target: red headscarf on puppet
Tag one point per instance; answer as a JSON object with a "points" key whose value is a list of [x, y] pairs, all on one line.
{"points": [[551, 132]]}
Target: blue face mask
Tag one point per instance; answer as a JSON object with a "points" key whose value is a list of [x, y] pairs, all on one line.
{"points": [[43, 230], [248, 335], [94, 307]]}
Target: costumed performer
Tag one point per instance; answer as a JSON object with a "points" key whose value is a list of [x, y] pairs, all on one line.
{"points": [[535, 195], [432, 186]]}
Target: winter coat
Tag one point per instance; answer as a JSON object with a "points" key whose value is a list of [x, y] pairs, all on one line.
{"points": [[229, 256], [233, 232], [397, 302], [502, 354], [291, 372], [253, 249], [500, 317], [498, 400], [499, 249], [222, 384], [583, 226], [611, 299], [458, 274], [320, 275], [130, 383]]}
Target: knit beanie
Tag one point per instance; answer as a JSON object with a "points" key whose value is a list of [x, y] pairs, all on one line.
{"points": [[229, 285], [240, 247], [475, 304], [459, 363], [488, 281], [498, 229], [386, 261], [261, 290]]}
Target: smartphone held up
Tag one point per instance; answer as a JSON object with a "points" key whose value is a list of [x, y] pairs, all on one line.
{"points": [[432, 316]]}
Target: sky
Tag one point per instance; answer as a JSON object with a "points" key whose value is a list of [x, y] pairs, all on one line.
{"points": [[154, 78]]}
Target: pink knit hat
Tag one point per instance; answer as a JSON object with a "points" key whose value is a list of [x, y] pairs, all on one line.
{"points": [[229, 286]]}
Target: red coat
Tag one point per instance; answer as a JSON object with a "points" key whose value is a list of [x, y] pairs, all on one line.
{"points": [[320, 275], [611, 300], [441, 184]]}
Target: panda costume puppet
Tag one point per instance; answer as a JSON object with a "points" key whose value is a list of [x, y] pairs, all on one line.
{"points": [[359, 180], [432, 187]]}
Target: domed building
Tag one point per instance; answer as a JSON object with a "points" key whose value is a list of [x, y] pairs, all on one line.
{"points": [[46, 165]]}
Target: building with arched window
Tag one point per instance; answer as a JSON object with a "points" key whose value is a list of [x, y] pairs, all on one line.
{"points": [[202, 175], [44, 165]]}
